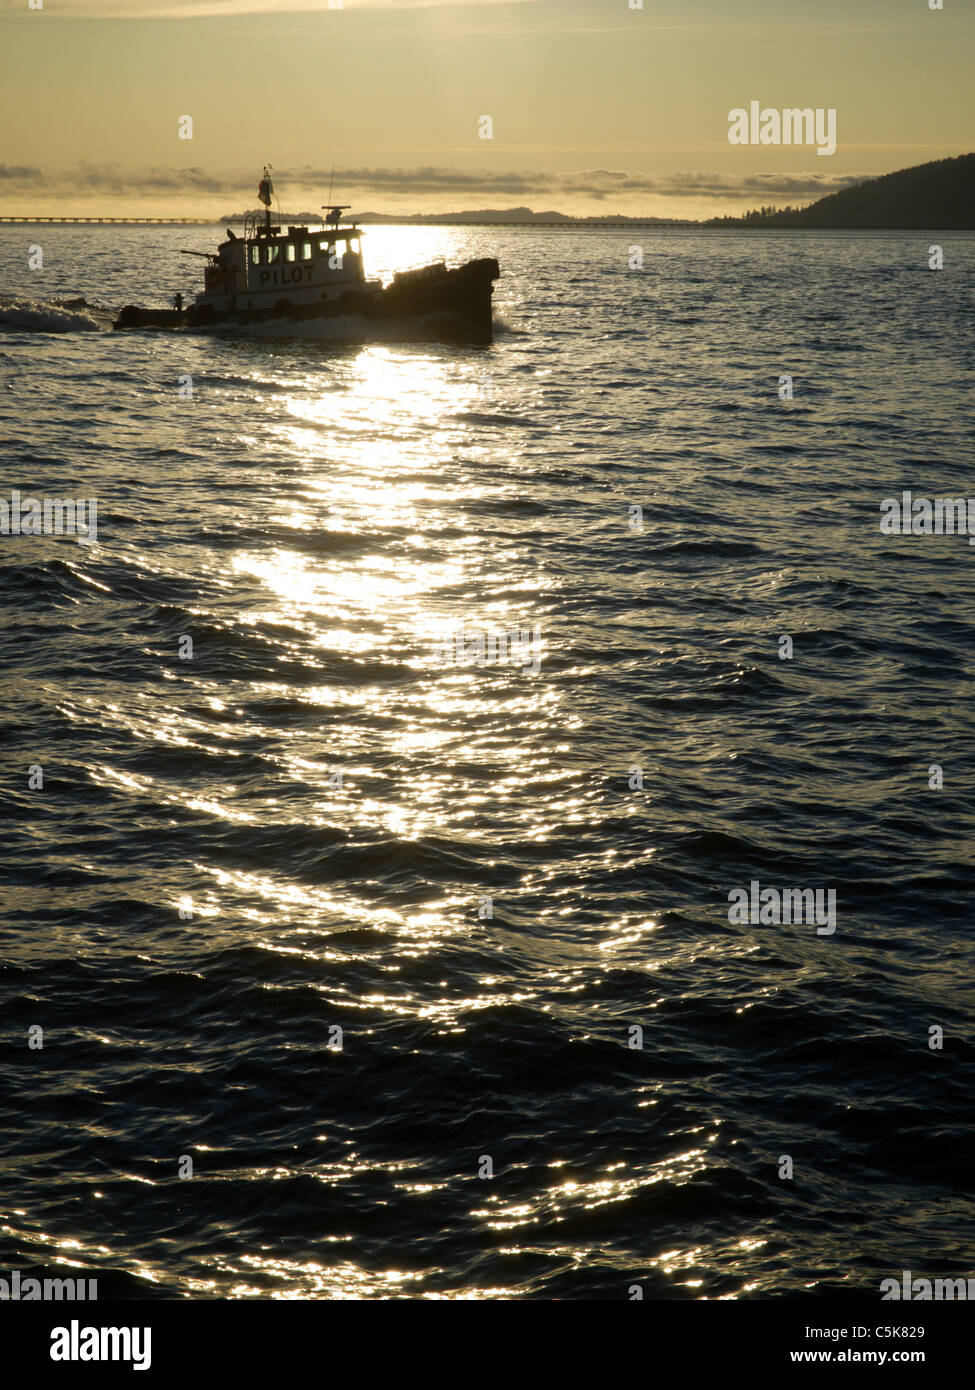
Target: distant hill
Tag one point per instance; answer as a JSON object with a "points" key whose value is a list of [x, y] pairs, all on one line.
{"points": [[507, 217], [511, 217], [479, 215], [929, 197]]}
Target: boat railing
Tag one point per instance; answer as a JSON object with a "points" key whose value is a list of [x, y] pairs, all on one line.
{"points": [[254, 226]]}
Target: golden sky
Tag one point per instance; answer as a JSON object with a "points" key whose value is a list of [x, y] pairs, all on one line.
{"points": [[597, 107]]}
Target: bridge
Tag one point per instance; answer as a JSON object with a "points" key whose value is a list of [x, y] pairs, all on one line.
{"points": [[120, 221]]}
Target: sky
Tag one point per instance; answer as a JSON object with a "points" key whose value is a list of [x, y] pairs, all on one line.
{"points": [[596, 107]]}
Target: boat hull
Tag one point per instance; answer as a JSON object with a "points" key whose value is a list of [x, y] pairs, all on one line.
{"points": [[435, 304]]}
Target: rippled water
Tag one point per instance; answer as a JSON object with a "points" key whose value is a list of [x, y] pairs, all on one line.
{"points": [[456, 865]]}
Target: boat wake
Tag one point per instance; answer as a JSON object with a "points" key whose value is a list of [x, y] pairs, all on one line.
{"points": [[53, 316]]}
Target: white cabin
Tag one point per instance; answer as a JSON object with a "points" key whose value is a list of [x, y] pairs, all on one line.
{"points": [[303, 265]]}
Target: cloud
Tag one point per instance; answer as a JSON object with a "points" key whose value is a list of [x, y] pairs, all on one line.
{"points": [[305, 182], [117, 180], [784, 185], [592, 183], [20, 173]]}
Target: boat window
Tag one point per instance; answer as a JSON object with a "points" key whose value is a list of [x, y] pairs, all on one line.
{"points": [[255, 255], [289, 251], [273, 253], [306, 250], [325, 247]]}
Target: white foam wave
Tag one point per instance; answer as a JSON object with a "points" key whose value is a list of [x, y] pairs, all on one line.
{"points": [[30, 316]]}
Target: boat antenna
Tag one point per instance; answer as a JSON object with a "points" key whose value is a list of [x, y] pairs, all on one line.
{"points": [[333, 212]]}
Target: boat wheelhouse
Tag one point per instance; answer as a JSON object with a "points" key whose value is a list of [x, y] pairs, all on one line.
{"points": [[302, 265]]}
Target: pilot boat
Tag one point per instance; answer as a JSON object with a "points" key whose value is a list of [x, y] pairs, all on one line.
{"points": [[306, 274]]}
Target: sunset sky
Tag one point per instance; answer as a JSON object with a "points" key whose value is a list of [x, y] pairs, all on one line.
{"points": [[597, 108]]}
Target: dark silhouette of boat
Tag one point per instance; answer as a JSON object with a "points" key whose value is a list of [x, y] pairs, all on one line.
{"points": [[302, 273]]}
